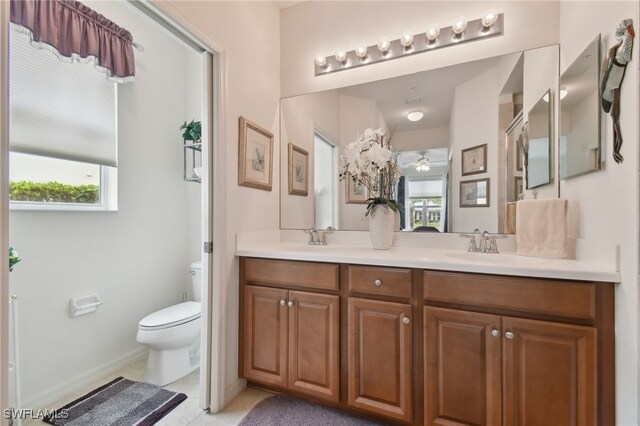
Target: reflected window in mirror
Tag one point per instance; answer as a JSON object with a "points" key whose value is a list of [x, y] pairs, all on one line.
{"points": [[325, 182], [580, 150], [539, 142]]}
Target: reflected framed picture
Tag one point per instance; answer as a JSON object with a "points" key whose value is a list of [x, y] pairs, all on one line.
{"points": [[298, 171], [475, 193], [255, 156], [474, 160], [356, 192]]}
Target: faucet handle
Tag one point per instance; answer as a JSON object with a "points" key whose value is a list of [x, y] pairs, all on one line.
{"points": [[329, 230], [313, 235]]}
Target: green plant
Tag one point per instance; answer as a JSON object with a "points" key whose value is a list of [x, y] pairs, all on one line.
{"points": [[54, 192], [191, 131], [13, 258]]}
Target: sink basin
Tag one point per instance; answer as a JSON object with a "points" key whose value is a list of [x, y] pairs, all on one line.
{"points": [[483, 257]]}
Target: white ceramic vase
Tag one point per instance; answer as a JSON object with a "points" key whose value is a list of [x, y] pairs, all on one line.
{"points": [[381, 225]]}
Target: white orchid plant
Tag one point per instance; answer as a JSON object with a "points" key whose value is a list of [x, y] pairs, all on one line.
{"points": [[369, 161]]}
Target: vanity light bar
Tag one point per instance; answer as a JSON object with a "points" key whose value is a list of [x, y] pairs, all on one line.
{"points": [[475, 30]]}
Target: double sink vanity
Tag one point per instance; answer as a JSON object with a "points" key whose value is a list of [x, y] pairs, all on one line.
{"points": [[399, 336], [427, 333]]}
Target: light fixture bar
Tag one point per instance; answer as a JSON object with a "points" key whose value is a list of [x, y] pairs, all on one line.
{"points": [[474, 31]]}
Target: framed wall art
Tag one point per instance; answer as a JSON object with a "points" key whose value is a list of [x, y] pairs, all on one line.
{"points": [[475, 193], [255, 156], [356, 192], [298, 171], [474, 160]]}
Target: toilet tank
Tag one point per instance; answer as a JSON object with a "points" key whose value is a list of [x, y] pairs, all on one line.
{"points": [[196, 281]]}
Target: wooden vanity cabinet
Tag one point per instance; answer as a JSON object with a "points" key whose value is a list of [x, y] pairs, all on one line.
{"points": [[496, 356], [412, 346], [380, 358], [290, 338]]}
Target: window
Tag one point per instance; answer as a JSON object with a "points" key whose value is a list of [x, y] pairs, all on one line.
{"points": [[425, 204], [63, 132]]}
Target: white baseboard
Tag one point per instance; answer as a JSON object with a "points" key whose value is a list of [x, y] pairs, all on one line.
{"points": [[68, 387], [234, 390]]}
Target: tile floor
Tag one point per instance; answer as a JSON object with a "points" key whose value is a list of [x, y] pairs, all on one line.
{"points": [[187, 413]]}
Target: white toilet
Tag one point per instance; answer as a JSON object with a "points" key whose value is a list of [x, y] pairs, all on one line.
{"points": [[173, 336]]}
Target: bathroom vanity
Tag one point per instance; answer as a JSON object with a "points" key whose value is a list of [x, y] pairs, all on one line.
{"points": [[405, 340]]}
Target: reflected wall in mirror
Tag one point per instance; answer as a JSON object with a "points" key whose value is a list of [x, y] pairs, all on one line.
{"points": [[538, 171], [580, 149], [462, 106]]}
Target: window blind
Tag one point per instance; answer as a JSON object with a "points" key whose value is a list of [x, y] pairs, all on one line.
{"points": [[58, 109]]}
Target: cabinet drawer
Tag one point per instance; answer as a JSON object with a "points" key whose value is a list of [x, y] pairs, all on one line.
{"points": [[571, 299], [380, 281], [289, 272]]}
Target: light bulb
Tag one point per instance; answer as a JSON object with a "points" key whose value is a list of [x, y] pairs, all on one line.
{"points": [[415, 116], [384, 45], [490, 17], [321, 60], [433, 32], [341, 55], [406, 39], [459, 25], [361, 51]]}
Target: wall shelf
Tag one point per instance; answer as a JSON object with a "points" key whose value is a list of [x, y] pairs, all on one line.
{"points": [[192, 165]]}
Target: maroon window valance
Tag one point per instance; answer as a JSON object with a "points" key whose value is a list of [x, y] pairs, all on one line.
{"points": [[75, 32]]}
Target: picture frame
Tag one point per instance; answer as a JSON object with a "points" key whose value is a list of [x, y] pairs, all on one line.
{"points": [[474, 160], [298, 171], [475, 193], [518, 185], [355, 194], [255, 156]]}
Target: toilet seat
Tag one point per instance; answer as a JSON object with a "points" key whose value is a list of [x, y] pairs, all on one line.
{"points": [[171, 317]]}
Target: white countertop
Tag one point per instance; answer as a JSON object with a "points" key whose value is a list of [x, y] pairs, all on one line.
{"points": [[443, 259]]}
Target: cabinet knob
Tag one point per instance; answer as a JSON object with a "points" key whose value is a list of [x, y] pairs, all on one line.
{"points": [[282, 302], [495, 333], [290, 303], [378, 282], [509, 335], [406, 320]]}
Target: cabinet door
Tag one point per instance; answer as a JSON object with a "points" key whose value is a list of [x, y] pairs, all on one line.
{"points": [[313, 344], [549, 373], [379, 376], [462, 368], [265, 335]]}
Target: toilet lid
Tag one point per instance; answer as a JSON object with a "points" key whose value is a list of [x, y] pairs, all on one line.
{"points": [[172, 316]]}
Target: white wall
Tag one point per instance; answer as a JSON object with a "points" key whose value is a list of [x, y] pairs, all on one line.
{"points": [[250, 34], [422, 139], [474, 121], [314, 27], [135, 259], [603, 206]]}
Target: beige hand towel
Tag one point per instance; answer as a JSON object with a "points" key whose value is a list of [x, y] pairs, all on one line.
{"points": [[541, 228]]}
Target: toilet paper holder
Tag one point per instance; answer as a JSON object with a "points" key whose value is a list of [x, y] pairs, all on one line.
{"points": [[84, 305]]}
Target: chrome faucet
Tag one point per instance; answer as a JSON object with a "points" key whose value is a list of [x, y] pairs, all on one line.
{"points": [[483, 242], [318, 237]]}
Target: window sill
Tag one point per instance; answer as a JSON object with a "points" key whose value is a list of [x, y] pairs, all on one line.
{"points": [[58, 207]]}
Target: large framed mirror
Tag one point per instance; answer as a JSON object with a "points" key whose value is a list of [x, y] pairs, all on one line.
{"points": [[580, 119], [453, 131]]}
